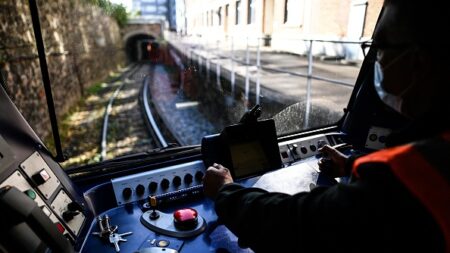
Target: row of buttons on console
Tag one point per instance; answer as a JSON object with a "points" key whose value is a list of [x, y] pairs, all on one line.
{"points": [[164, 184], [303, 149]]}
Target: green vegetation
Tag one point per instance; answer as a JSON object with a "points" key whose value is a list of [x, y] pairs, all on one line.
{"points": [[95, 88], [81, 126], [117, 11]]}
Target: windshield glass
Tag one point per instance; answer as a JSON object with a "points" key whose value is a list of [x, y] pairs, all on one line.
{"points": [[130, 76]]}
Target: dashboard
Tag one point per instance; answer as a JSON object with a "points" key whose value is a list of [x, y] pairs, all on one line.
{"points": [[126, 201], [157, 210], [178, 187]]}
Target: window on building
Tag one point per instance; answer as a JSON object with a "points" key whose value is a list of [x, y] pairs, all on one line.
{"points": [[162, 9], [292, 9], [286, 11], [251, 12], [219, 15], [238, 12]]}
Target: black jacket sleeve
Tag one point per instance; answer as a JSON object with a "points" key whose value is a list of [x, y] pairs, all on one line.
{"points": [[373, 215]]}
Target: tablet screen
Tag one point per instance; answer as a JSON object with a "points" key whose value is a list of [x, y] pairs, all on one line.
{"points": [[248, 158]]}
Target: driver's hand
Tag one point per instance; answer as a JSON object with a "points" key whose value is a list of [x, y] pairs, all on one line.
{"points": [[332, 162], [215, 177]]}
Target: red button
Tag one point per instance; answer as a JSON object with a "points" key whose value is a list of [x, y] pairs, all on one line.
{"points": [[60, 227], [185, 219], [183, 215]]}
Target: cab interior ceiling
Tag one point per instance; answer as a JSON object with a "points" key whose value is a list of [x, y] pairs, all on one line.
{"points": [[136, 46]]}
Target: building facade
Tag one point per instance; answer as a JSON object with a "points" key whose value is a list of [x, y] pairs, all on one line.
{"points": [[287, 24], [161, 10]]}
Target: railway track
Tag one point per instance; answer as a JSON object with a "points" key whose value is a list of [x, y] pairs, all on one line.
{"points": [[125, 130]]}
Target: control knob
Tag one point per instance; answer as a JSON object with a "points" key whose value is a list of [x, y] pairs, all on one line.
{"points": [[126, 193], [303, 150], [198, 176], [68, 215], [153, 186], [75, 206], [176, 181], [73, 209], [188, 179], [140, 189], [165, 184]]}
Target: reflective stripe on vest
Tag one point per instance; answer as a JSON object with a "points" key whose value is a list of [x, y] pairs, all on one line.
{"points": [[421, 168]]}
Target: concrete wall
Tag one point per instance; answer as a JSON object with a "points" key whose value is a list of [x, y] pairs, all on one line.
{"points": [[82, 44]]}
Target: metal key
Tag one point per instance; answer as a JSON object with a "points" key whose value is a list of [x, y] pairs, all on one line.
{"points": [[105, 227], [116, 238]]}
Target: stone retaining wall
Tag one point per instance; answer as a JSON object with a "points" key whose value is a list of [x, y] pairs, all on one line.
{"points": [[82, 43]]}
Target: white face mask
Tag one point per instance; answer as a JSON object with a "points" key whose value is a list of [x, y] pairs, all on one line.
{"points": [[393, 101]]}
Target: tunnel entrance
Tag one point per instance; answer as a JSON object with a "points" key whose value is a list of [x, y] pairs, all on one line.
{"points": [[140, 47]]}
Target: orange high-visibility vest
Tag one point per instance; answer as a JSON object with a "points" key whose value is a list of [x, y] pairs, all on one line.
{"points": [[424, 168]]}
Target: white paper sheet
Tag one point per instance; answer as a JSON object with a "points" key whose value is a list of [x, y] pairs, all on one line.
{"points": [[297, 178]]}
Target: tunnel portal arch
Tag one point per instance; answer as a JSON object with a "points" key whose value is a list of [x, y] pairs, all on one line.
{"points": [[138, 46]]}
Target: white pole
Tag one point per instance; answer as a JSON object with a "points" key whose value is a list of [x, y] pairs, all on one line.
{"points": [[218, 66], [199, 63], [308, 85], [258, 66], [191, 58], [232, 66], [247, 77], [207, 59]]}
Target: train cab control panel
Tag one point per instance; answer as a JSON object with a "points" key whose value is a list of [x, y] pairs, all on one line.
{"points": [[156, 210], [166, 209], [161, 210]]}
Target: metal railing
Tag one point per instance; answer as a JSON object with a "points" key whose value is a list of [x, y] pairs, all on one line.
{"points": [[201, 48]]}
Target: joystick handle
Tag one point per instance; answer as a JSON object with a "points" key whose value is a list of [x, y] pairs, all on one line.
{"points": [[153, 204]]}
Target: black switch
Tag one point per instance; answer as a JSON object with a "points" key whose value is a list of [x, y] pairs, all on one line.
{"points": [[74, 206], [41, 177], [294, 149], [68, 215]]}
